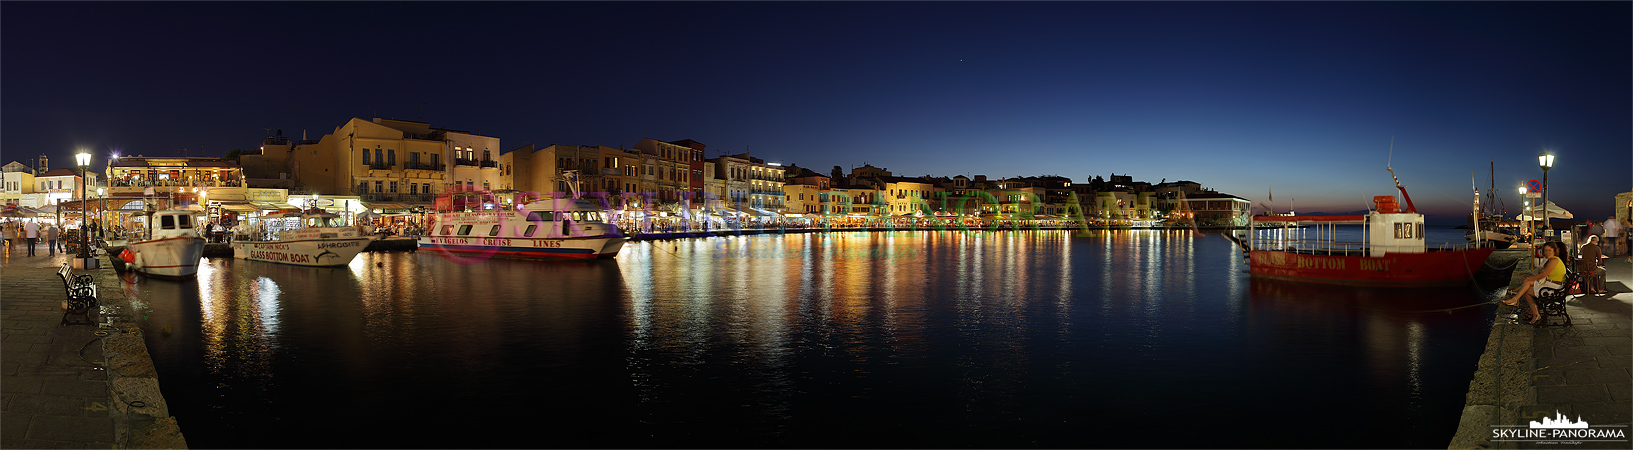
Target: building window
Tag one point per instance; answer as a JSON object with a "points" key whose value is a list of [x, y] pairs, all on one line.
{"points": [[363, 187], [391, 157], [377, 157], [365, 157], [377, 187], [393, 187]]}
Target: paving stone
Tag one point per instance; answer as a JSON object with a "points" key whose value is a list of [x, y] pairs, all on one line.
{"points": [[1585, 350], [1595, 376], [1572, 394], [52, 405], [75, 429], [1615, 361]]}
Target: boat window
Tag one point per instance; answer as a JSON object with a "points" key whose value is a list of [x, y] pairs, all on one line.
{"points": [[530, 230], [464, 230], [184, 221], [167, 222], [593, 216], [537, 216], [1403, 231], [447, 230], [494, 231], [578, 216], [1420, 231]]}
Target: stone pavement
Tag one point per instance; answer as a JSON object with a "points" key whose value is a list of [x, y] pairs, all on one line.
{"points": [[1582, 372], [55, 387]]}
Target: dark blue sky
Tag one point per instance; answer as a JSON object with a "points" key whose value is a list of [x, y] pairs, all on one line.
{"points": [[1243, 97]]}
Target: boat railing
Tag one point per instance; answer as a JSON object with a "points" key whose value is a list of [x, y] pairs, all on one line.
{"points": [[1307, 246]]}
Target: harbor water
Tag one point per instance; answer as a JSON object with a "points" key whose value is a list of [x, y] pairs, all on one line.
{"points": [[842, 339]]}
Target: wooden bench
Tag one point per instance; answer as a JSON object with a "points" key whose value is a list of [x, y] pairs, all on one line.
{"points": [[1551, 302], [81, 296]]}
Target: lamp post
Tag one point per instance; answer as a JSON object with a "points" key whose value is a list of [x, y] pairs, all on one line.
{"points": [[1546, 161], [101, 203], [1525, 205], [84, 160]]}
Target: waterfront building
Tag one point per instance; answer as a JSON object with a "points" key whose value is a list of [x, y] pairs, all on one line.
{"points": [[733, 170], [802, 199], [1168, 195], [18, 181], [672, 163], [392, 165], [908, 196], [474, 157], [1209, 208], [804, 191], [694, 165]]}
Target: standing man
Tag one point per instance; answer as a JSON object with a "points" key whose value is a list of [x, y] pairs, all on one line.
{"points": [[1613, 234], [51, 239], [32, 233]]}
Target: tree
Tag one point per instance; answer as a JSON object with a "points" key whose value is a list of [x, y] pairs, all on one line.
{"points": [[838, 175], [232, 155]]}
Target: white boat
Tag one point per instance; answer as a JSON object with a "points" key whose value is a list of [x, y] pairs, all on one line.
{"points": [[537, 230], [168, 247], [321, 240]]}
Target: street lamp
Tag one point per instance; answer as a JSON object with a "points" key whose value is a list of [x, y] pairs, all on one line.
{"points": [[1546, 161], [1531, 216], [84, 160], [102, 203]]}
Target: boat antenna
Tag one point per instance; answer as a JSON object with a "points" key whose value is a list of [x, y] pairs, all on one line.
{"points": [[1387, 166]]}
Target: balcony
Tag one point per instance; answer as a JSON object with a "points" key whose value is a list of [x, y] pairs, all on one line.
{"points": [[489, 163], [380, 166], [398, 197], [464, 162], [423, 166]]}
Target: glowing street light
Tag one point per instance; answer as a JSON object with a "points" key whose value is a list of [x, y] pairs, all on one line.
{"points": [[84, 160], [1546, 161]]}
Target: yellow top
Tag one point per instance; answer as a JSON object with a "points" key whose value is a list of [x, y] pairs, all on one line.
{"points": [[1558, 274]]}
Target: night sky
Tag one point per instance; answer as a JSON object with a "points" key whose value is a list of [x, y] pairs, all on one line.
{"points": [[1302, 98]]}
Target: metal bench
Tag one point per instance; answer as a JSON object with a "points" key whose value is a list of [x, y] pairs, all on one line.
{"points": [[1551, 302], [81, 296]]}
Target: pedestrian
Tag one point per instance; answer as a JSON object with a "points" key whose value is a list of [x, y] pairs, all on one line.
{"points": [[1613, 237], [31, 231], [1593, 276], [51, 239]]}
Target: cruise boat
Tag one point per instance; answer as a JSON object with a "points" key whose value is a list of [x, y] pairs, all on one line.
{"points": [[322, 240], [537, 229], [168, 247], [1393, 253]]}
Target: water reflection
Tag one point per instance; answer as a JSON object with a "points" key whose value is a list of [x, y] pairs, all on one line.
{"points": [[906, 339]]}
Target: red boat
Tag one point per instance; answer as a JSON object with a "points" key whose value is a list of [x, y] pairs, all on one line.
{"points": [[1393, 254]]}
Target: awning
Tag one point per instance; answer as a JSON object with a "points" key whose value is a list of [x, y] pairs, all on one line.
{"points": [[268, 206], [239, 206]]}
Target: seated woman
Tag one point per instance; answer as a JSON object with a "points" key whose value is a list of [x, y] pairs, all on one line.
{"points": [[1552, 275], [1593, 276]]}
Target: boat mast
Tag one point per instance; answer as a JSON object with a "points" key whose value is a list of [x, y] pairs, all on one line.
{"points": [[1409, 206]]}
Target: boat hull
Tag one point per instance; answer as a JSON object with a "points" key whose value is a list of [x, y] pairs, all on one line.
{"points": [[572, 248], [1431, 268], [330, 252], [175, 257]]}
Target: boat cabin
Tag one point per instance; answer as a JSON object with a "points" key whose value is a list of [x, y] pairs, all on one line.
{"points": [[1386, 229], [167, 224]]}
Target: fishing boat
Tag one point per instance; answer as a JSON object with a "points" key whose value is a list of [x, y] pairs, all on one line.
{"points": [[1484, 221], [320, 239], [1393, 252], [169, 246], [552, 228]]}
